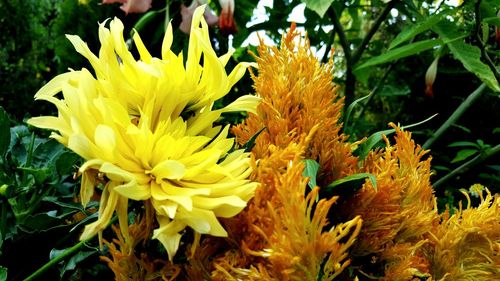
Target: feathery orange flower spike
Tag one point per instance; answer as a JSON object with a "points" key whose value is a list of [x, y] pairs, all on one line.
{"points": [[402, 207], [297, 93], [283, 229], [466, 245]]}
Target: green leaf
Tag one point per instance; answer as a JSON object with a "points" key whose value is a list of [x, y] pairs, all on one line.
{"points": [[251, 142], [394, 90], [493, 21], [351, 178], [364, 148], [470, 57], [311, 171], [401, 52], [39, 174], [363, 75], [441, 168], [3, 273], [74, 260], [464, 154], [65, 162], [496, 130], [4, 132], [351, 107], [494, 167], [145, 19], [463, 128], [42, 222], [319, 6], [413, 30], [463, 143]]}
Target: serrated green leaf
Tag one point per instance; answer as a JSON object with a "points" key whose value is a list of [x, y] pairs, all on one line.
{"points": [[42, 221], [401, 52], [464, 154], [74, 260], [319, 6], [413, 30], [4, 132], [463, 143], [39, 174], [310, 171], [355, 177], [65, 162], [470, 57]]}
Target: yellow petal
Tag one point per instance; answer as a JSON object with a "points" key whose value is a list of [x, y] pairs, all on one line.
{"points": [[202, 221], [225, 207], [143, 52], [82, 48], [87, 187], [168, 169], [105, 139], [125, 182], [244, 103], [167, 42], [106, 210], [122, 213], [54, 86], [168, 234]]}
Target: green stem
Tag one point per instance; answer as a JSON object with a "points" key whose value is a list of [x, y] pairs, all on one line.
{"points": [[484, 54], [375, 89], [362, 47], [69, 252], [29, 157], [467, 165], [341, 33], [455, 116], [167, 15], [328, 47]]}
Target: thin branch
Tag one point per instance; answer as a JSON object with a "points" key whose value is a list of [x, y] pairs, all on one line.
{"points": [[375, 89], [485, 55], [456, 114], [340, 31], [69, 252], [468, 165], [329, 46], [361, 48]]}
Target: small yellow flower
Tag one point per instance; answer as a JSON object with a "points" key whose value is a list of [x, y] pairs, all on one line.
{"points": [[126, 123]]}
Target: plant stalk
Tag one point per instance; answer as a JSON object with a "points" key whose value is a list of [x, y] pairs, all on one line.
{"points": [[467, 165], [69, 252], [455, 116]]}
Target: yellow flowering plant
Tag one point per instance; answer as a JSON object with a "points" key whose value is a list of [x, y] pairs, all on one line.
{"points": [[146, 131]]}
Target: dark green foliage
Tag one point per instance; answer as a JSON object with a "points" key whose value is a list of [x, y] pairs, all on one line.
{"points": [[37, 192], [33, 46]]}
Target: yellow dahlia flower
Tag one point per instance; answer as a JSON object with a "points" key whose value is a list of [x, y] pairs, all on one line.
{"points": [[145, 128]]}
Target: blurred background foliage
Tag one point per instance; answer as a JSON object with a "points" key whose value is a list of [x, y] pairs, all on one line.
{"points": [[383, 53]]}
